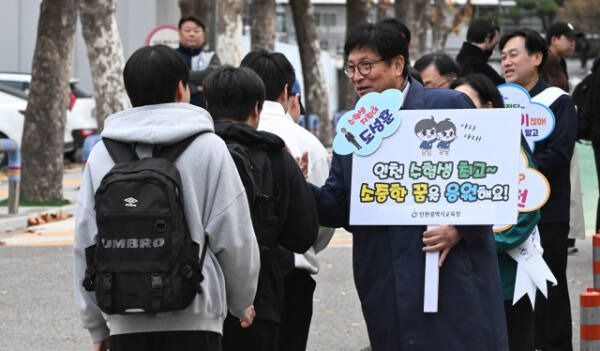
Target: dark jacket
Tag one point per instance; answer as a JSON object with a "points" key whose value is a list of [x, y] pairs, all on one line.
{"points": [[197, 76], [552, 156], [473, 60], [389, 267], [298, 222]]}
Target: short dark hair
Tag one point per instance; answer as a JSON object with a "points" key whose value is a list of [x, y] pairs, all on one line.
{"points": [[423, 124], [480, 28], [233, 92], [274, 69], [401, 26], [533, 42], [152, 73], [445, 125], [383, 37], [485, 88], [444, 64], [192, 18]]}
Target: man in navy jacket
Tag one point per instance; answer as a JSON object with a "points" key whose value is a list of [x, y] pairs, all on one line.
{"points": [[389, 261], [522, 53]]}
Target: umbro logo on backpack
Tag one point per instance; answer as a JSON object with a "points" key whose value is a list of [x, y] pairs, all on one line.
{"points": [[131, 202], [144, 259]]}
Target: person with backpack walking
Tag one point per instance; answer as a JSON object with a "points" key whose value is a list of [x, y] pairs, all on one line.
{"points": [[282, 206], [164, 244], [278, 76]]}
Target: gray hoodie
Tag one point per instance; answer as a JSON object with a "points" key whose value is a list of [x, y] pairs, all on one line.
{"points": [[215, 204]]}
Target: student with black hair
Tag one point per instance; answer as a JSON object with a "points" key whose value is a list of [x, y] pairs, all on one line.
{"points": [[561, 43], [519, 316], [192, 37], [215, 208], [278, 76], [235, 97], [389, 260], [437, 70], [482, 37], [522, 53]]}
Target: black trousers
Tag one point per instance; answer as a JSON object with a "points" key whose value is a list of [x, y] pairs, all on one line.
{"points": [[262, 335], [596, 148], [167, 341], [297, 310], [519, 323], [553, 330]]}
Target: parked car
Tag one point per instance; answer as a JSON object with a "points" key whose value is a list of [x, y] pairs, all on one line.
{"points": [[13, 103], [81, 112]]}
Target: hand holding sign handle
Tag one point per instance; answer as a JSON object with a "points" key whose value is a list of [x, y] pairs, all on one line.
{"points": [[436, 238], [440, 238]]}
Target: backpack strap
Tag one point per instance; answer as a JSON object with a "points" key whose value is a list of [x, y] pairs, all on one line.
{"points": [[120, 151], [171, 152]]}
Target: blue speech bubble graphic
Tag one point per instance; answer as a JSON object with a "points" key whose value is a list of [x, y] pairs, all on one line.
{"points": [[374, 118], [537, 120]]}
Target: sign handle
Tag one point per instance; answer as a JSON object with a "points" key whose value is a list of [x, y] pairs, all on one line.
{"points": [[432, 273]]}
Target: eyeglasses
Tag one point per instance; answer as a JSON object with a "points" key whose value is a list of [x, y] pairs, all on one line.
{"points": [[364, 68], [443, 83]]}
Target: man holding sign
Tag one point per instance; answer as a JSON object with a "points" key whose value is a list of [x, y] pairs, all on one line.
{"points": [[389, 260]]}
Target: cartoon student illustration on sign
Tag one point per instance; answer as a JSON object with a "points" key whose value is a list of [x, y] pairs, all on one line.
{"points": [[425, 130], [446, 133], [350, 137]]}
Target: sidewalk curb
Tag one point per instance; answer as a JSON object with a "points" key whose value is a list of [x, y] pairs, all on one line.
{"points": [[12, 223]]}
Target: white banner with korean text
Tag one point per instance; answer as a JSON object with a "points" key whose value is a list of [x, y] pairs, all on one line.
{"points": [[443, 167]]}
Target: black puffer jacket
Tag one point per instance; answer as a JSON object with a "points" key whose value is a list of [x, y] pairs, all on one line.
{"points": [[293, 224]]}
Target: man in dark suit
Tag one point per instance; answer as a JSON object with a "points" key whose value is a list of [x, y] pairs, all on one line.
{"points": [[389, 261]]}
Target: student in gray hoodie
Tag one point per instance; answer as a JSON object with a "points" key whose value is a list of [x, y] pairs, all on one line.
{"points": [[215, 205]]}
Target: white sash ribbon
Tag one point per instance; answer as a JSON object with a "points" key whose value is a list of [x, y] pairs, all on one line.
{"points": [[532, 270]]}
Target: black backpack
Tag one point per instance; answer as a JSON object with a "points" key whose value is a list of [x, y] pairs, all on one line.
{"points": [[261, 181], [144, 259], [587, 104]]}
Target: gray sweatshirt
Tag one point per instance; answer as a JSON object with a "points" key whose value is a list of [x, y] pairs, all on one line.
{"points": [[215, 204]]}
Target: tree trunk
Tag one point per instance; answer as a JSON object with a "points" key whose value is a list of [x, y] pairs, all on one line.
{"points": [[229, 31], [439, 25], [382, 8], [413, 14], [262, 19], [442, 24], [105, 53], [357, 13], [316, 97], [203, 9], [43, 131]]}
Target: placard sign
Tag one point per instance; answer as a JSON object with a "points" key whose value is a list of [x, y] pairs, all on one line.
{"points": [[441, 167], [534, 190], [537, 120], [166, 35], [362, 130]]}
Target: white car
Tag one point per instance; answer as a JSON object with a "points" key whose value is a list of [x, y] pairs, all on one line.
{"points": [[81, 112], [13, 103]]}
